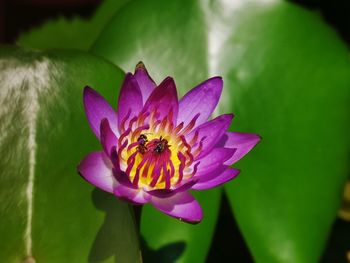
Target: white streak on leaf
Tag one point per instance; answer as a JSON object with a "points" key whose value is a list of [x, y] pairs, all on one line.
{"points": [[221, 16], [23, 83]]}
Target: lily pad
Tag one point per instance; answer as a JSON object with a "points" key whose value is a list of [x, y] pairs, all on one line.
{"points": [[48, 212], [286, 76]]}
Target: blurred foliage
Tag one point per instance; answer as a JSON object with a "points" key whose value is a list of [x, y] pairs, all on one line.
{"points": [[286, 77], [338, 244], [75, 33], [46, 208], [344, 211]]}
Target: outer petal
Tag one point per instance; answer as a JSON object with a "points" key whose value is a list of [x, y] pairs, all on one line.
{"points": [[243, 142], [108, 139], [181, 205], [146, 83], [212, 180], [136, 196], [130, 99], [123, 179], [164, 193], [97, 109], [96, 168], [213, 160], [211, 132], [164, 99], [201, 99]]}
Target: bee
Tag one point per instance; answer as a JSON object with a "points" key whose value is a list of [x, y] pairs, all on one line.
{"points": [[142, 143], [142, 138], [161, 145]]}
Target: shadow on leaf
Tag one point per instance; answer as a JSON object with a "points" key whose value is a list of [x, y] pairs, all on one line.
{"points": [[117, 235], [166, 254]]}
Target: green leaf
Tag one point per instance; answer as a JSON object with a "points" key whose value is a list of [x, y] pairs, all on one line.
{"points": [[47, 210], [287, 78], [76, 32], [293, 88], [177, 240]]}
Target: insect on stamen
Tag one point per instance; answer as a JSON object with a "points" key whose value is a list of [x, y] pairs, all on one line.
{"points": [[142, 140], [161, 145]]}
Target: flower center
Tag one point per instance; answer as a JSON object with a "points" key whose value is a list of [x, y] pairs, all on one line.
{"points": [[155, 146], [154, 153]]}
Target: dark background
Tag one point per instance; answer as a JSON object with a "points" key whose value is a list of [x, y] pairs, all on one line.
{"points": [[20, 15], [17, 16]]}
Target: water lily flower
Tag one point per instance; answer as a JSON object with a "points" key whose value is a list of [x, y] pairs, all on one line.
{"points": [[156, 148]]}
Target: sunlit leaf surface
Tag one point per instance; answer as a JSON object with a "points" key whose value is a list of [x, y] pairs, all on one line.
{"points": [[47, 210]]}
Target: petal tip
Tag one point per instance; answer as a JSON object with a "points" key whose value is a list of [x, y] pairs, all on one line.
{"points": [[191, 221], [88, 91], [166, 80], [229, 116], [257, 139], [87, 88], [218, 78], [141, 66], [217, 81], [238, 172]]}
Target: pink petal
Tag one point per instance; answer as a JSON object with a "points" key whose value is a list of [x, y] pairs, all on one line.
{"points": [[163, 193], [136, 196], [213, 160], [97, 109], [108, 139], [201, 99], [164, 99], [215, 179], [242, 142], [130, 99], [146, 83], [211, 132], [182, 206], [96, 168]]}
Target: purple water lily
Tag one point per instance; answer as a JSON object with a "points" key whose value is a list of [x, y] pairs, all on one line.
{"points": [[156, 148]]}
